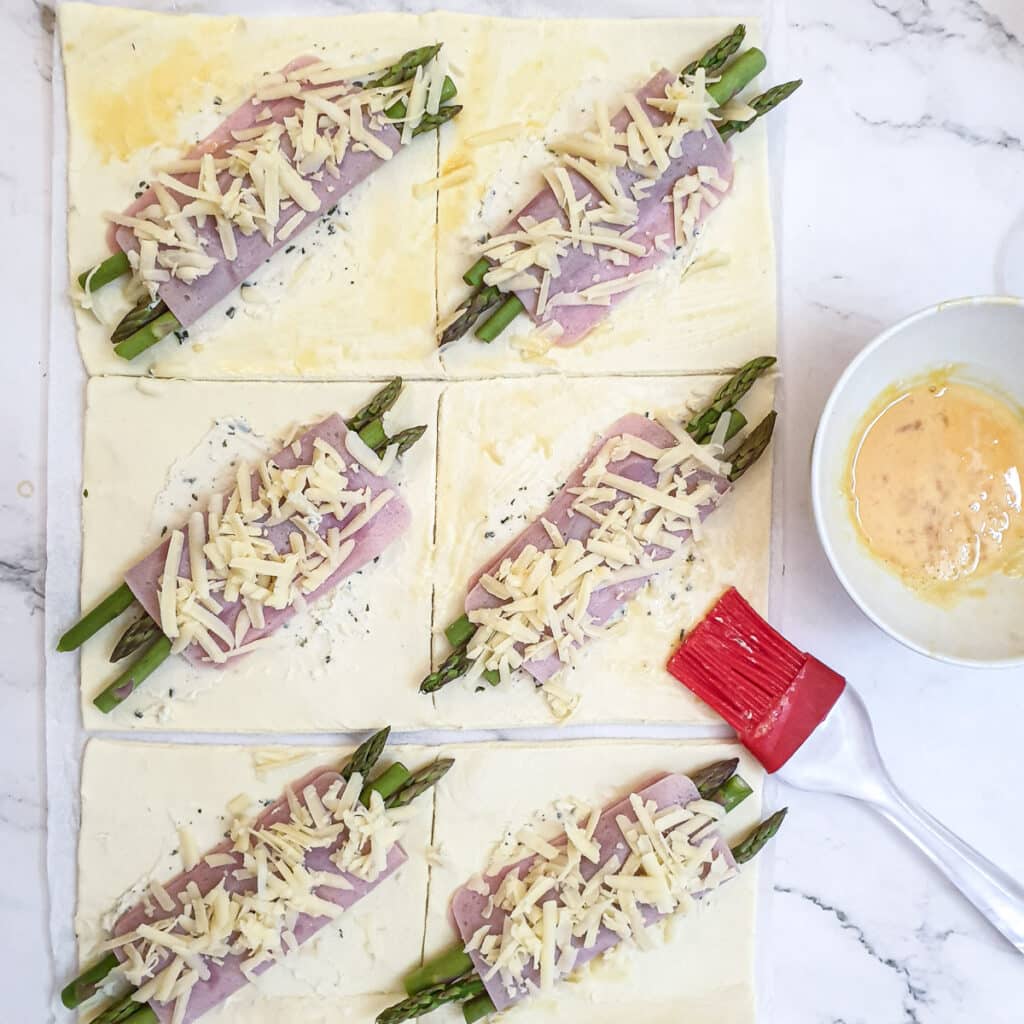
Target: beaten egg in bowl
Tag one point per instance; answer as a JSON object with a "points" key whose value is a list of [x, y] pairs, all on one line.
{"points": [[934, 483], [916, 481]]}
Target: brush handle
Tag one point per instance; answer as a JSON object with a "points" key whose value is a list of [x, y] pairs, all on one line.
{"points": [[998, 896], [841, 757]]}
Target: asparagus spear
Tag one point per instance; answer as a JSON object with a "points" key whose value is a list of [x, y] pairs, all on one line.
{"points": [[131, 679], [106, 611], [397, 110], [452, 964], [157, 330], [475, 275], [762, 104], [460, 632], [140, 633], [480, 302], [752, 447], [732, 792], [431, 122], [720, 783], [87, 983], [368, 423], [375, 437], [455, 665], [500, 318], [389, 782], [405, 439], [477, 1008], [126, 1010], [419, 782], [143, 313], [737, 421], [430, 999], [702, 426], [738, 75], [716, 775], [375, 408], [405, 67], [758, 839], [716, 57], [367, 754], [109, 270]]}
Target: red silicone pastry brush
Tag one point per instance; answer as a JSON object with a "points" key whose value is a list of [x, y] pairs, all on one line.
{"points": [[804, 722]]}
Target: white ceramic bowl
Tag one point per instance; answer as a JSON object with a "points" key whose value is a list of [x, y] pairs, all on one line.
{"points": [[984, 339]]}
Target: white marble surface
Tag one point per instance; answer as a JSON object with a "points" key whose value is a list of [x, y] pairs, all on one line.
{"points": [[902, 185]]}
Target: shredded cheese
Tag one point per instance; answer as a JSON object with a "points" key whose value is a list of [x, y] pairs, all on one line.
{"points": [[503, 133], [546, 912], [597, 213], [204, 204], [451, 179], [167, 956], [315, 507], [637, 530], [168, 584]]}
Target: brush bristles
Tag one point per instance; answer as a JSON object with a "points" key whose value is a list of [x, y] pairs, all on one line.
{"points": [[737, 663]]}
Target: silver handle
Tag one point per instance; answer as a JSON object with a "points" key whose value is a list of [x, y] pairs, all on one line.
{"points": [[998, 896], [841, 757]]}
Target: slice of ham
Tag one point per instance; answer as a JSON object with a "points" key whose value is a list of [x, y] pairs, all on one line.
{"points": [[469, 908], [226, 976], [606, 602], [188, 302], [655, 217], [370, 540]]}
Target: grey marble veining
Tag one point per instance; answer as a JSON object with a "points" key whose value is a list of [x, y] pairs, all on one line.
{"points": [[900, 186]]}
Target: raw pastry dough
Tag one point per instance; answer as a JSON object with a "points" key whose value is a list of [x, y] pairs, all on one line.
{"points": [[364, 302], [135, 795], [352, 660], [504, 447], [359, 301], [703, 973], [542, 77]]}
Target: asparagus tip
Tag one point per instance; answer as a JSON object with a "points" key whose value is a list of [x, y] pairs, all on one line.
{"points": [[759, 838]]}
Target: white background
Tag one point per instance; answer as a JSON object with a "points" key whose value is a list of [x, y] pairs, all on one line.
{"points": [[902, 186]]}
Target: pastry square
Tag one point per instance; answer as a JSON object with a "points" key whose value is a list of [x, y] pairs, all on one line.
{"points": [[153, 449], [528, 82], [134, 798], [705, 961], [504, 448], [354, 297]]}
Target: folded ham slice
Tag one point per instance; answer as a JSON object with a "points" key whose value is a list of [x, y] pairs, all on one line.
{"points": [[471, 910], [606, 602], [370, 539], [578, 270], [187, 301], [226, 977]]}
